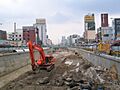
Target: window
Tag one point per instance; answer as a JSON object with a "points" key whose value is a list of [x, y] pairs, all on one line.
{"points": [[19, 35], [106, 35]]}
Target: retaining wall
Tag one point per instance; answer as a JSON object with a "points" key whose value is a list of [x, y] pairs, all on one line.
{"points": [[102, 60], [11, 62]]}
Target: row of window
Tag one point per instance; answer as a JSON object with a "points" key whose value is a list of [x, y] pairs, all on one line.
{"points": [[16, 35], [17, 39]]}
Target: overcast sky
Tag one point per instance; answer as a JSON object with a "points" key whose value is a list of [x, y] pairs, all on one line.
{"points": [[64, 17]]}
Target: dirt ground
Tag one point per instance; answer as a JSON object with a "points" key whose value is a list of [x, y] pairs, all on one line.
{"points": [[71, 72]]}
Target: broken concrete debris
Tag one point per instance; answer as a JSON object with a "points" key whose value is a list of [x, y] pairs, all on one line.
{"points": [[44, 80]]}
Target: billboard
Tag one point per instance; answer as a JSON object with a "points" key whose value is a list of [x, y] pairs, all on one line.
{"points": [[89, 22], [89, 18]]}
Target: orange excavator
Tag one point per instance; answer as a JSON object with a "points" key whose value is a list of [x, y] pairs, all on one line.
{"points": [[44, 62]]}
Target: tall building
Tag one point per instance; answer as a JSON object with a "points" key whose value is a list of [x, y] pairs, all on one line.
{"points": [[89, 23], [104, 20], [63, 41], [3, 35], [29, 33], [42, 30], [73, 40], [116, 28]]}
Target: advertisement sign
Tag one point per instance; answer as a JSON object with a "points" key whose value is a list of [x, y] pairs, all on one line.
{"points": [[89, 18]]}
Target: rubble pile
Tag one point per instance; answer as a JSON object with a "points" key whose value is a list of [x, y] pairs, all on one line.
{"points": [[72, 72]]}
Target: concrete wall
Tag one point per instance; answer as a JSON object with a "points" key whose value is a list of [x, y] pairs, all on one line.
{"points": [[99, 59], [11, 62]]}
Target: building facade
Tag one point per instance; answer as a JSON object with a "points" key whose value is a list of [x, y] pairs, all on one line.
{"points": [[16, 36], [116, 28], [63, 41], [73, 40], [3, 35], [29, 33], [104, 20], [49, 42], [105, 34], [89, 23], [42, 30]]}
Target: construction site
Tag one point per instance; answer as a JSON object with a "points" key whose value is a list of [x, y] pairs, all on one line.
{"points": [[59, 45], [71, 72]]}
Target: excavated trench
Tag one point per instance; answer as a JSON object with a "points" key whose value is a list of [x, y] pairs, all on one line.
{"points": [[71, 72]]}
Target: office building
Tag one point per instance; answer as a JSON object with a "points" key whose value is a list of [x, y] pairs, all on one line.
{"points": [[3, 35], [89, 23], [29, 34], [42, 30]]}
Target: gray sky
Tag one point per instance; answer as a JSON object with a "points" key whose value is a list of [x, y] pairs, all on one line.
{"points": [[64, 17]]}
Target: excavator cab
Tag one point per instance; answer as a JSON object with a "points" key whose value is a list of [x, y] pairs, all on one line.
{"points": [[45, 62]]}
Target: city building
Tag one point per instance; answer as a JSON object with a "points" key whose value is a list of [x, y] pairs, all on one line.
{"points": [[63, 41], [89, 23], [3, 35], [29, 33], [116, 28], [99, 35], [105, 34], [73, 40], [49, 42], [42, 30], [16, 36], [104, 20]]}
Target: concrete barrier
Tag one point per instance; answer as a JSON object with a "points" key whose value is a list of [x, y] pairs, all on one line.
{"points": [[11, 62], [102, 60]]}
